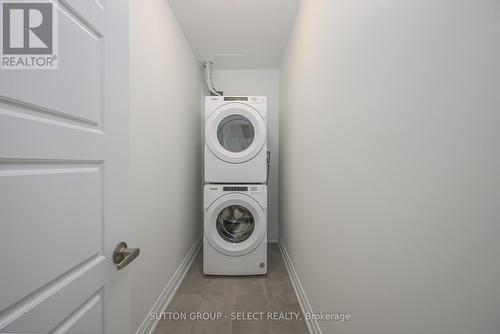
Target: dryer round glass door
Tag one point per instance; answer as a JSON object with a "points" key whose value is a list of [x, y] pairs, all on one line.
{"points": [[235, 223], [235, 132]]}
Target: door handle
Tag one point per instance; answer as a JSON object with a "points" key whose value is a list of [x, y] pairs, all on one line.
{"points": [[123, 255]]}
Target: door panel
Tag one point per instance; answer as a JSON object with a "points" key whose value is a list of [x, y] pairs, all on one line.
{"points": [[82, 145], [67, 92], [87, 318], [63, 176], [89, 12], [48, 309], [69, 219]]}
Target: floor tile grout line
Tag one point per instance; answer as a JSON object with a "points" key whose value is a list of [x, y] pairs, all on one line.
{"points": [[232, 309], [258, 286]]}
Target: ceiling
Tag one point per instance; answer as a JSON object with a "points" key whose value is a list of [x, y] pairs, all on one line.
{"points": [[237, 34]]}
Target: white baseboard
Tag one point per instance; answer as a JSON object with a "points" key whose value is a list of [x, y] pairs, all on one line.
{"points": [[148, 326], [312, 325]]}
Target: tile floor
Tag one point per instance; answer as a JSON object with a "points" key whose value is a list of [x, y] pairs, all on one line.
{"points": [[270, 293]]}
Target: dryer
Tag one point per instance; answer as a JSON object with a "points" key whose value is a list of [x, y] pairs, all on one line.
{"points": [[235, 139], [235, 229]]}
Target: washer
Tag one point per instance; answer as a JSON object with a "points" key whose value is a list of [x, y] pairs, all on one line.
{"points": [[235, 139], [235, 229]]}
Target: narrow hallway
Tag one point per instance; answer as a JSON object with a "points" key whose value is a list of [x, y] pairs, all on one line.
{"points": [[211, 294], [249, 166]]}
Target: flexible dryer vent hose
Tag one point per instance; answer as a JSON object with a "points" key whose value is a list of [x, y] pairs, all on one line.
{"points": [[207, 68]]}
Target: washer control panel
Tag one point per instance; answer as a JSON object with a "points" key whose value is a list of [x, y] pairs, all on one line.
{"points": [[213, 191], [230, 188], [253, 190]]}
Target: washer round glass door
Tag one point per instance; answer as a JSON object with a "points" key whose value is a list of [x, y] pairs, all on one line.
{"points": [[235, 224], [235, 132]]}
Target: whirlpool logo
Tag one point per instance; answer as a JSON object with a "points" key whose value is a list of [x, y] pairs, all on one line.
{"points": [[29, 34]]}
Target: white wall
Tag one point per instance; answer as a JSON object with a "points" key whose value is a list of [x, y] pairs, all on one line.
{"points": [[261, 83], [389, 132], [165, 150]]}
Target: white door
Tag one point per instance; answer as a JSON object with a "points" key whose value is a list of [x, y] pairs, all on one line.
{"points": [[63, 179], [235, 132]]}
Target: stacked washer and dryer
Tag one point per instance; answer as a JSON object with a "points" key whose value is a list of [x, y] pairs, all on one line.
{"points": [[235, 193]]}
